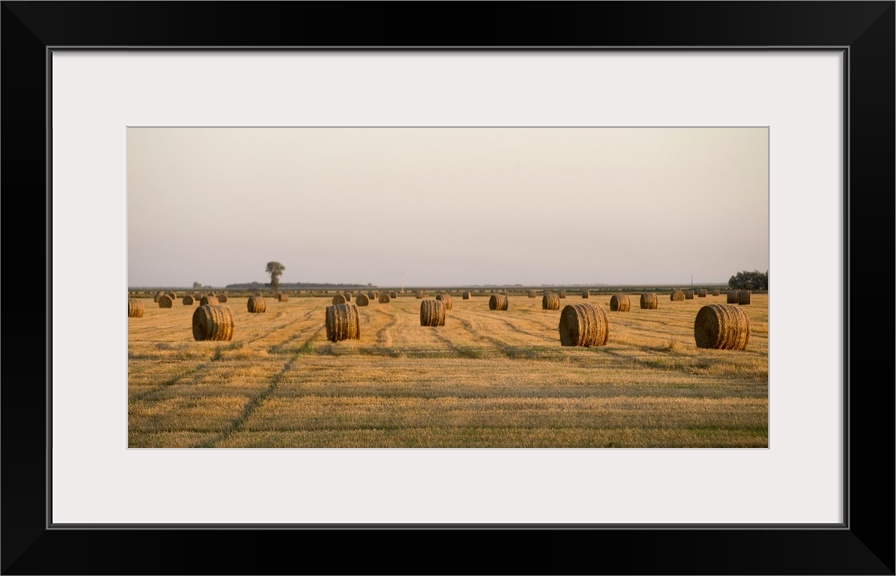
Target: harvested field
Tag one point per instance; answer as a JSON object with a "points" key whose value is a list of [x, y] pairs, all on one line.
{"points": [[481, 380]]}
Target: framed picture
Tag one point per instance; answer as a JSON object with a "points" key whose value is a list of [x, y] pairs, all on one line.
{"points": [[818, 77]]}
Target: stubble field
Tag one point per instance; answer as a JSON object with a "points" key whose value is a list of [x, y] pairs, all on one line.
{"points": [[495, 379]]}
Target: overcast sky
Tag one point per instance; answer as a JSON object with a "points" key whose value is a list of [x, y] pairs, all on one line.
{"points": [[446, 206]]}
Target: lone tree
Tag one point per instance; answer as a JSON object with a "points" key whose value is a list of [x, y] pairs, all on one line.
{"points": [[275, 269]]}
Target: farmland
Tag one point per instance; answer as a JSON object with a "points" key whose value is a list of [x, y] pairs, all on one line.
{"points": [[487, 378]]}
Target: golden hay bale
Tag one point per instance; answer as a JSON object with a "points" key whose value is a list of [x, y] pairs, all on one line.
{"points": [[688, 294], [722, 327], [348, 296], [531, 293], [467, 295], [562, 294], [583, 325], [338, 299], [362, 300], [256, 304], [135, 308], [385, 298], [393, 294], [209, 300], [155, 297], [550, 301], [732, 296], [197, 296], [222, 298], [212, 294], [498, 302], [432, 313], [283, 297], [677, 296], [444, 297], [649, 301], [343, 322], [700, 292], [715, 292], [743, 297], [188, 300], [172, 295], [212, 322], [165, 301], [620, 303], [418, 294], [586, 293]]}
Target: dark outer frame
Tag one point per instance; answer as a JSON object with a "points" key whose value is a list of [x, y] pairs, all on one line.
{"points": [[864, 544]]}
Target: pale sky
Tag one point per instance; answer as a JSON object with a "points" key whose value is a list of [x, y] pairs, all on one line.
{"points": [[446, 206]]}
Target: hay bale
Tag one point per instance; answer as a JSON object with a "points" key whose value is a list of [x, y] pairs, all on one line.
{"points": [[498, 302], [732, 296], [257, 295], [743, 297], [432, 313], [722, 327], [716, 292], [384, 298], [212, 322], [348, 296], [256, 304], [418, 294], [700, 292], [338, 299], [212, 294], [222, 298], [688, 294], [188, 300], [282, 297], [586, 293], [550, 301], [649, 301], [135, 308], [155, 297], [467, 295], [165, 301], [393, 294], [531, 293], [620, 303], [583, 325], [172, 295], [362, 300], [562, 294], [197, 296], [208, 300], [444, 297], [343, 322], [677, 296]]}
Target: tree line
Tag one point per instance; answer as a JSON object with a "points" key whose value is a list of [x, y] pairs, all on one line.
{"points": [[747, 280]]}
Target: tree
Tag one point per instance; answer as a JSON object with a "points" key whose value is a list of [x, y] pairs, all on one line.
{"points": [[197, 285], [275, 269], [746, 280]]}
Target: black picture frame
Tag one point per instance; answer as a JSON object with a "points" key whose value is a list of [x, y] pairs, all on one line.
{"points": [[864, 544]]}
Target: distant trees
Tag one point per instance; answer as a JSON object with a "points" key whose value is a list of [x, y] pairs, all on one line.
{"points": [[746, 280], [196, 285], [275, 269]]}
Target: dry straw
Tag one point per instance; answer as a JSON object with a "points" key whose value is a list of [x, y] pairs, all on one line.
{"points": [[282, 297], [562, 294], [209, 300], [418, 294], [444, 297], [222, 298], [165, 301], [467, 295], [338, 299], [732, 296], [550, 301], [716, 292], [155, 297], [677, 296], [586, 293], [498, 302], [688, 294], [722, 327], [620, 303], [649, 301], [172, 295], [188, 300], [213, 295], [393, 294], [212, 322], [362, 300], [432, 313], [343, 322], [135, 308], [531, 293], [583, 325], [743, 297], [701, 292], [256, 304], [348, 296], [384, 298]]}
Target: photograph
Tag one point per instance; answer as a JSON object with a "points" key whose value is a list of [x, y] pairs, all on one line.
{"points": [[448, 287]]}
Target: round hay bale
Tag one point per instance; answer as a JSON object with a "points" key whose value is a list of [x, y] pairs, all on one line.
{"points": [[732, 296], [385, 298], [155, 297], [212, 322], [620, 303], [743, 297], [418, 294], [444, 297], [432, 313], [135, 308], [649, 301], [282, 297], [172, 295], [583, 325], [222, 298], [256, 304], [562, 294], [722, 327], [209, 300], [188, 300], [550, 301], [197, 296], [531, 293], [338, 299], [498, 302], [393, 294], [343, 322], [467, 295], [688, 294], [165, 301], [212, 294], [348, 296], [716, 292], [258, 294], [586, 293], [677, 296], [362, 300], [700, 292]]}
